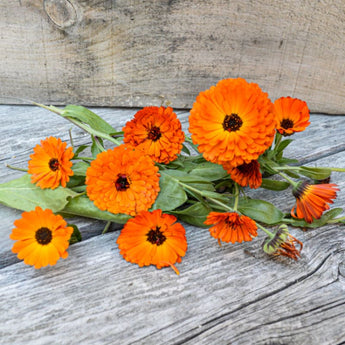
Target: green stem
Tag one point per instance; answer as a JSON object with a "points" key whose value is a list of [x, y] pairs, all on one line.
{"points": [[106, 228], [236, 197], [336, 220], [287, 178], [278, 139], [16, 168], [269, 233], [71, 139], [205, 196], [79, 124]]}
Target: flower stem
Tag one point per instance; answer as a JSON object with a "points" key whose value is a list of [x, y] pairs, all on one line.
{"points": [[15, 168], [205, 196], [293, 183], [269, 233], [106, 228], [236, 197]]}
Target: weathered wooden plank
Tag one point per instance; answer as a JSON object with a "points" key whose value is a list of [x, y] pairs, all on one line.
{"points": [[135, 53], [230, 294]]}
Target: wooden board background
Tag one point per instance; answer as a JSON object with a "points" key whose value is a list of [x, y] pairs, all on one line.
{"points": [[234, 294], [136, 53]]}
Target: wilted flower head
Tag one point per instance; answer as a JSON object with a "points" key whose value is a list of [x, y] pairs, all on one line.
{"points": [[282, 243]]}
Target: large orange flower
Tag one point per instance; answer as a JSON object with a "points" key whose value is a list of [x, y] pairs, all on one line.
{"points": [[157, 132], [42, 237], [232, 122], [153, 238], [292, 115], [313, 200], [245, 174], [122, 180], [231, 227], [50, 163]]}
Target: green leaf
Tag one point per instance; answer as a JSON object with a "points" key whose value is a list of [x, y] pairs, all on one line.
{"points": [[82, 206], [210, 171], [76, 235], [261, 211], [315, 173], [195, 214], [274, 184], [80, 149], [23, 195], [88, 117], [171, 194], [80, 168], [331, 214], [282, 145]]}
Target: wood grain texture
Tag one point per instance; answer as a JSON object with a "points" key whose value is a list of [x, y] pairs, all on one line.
{"points": [[233, 294], [136, 53]]}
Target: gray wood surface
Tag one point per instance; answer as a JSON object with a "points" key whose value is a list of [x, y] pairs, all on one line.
{"points": [[135, 53], [233, 294]]}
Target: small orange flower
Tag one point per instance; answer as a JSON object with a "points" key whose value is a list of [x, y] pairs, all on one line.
{"points": [[231, 227], [122, 180], [42, 237], [157, 132], [313, 200], [283, 244], [50, 163], [245, 174], [232, 122], [153, 238], [292, 115]]}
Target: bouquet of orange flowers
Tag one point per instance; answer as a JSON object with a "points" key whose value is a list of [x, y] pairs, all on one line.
{"points": [[154, 174]]}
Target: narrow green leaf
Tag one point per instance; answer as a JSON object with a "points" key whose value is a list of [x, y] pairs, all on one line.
{"points": [[315, 173], [274, 184], [23, 195], [331, 214], [82, 206], [261, 211], [88, 117], [171, 194], [80, 149], [76, 235], [282, 145]]}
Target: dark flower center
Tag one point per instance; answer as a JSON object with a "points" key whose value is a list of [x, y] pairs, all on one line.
{"points": [[121, 183], [43, 236], [154, 133], [155, 236], [232, 123], [286, 123], [54, 164], [245, 168]]}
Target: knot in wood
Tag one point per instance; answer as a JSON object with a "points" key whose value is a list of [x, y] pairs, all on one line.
{"points": [[61, 12]]}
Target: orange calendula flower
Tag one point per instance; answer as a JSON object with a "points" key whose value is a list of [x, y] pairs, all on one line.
{"points": [[122, 180], [283, 244], [231, 227], [232, 122], [42, 237], [245, 174], [156, 131], [292, 115], [153, 238], [313, 200], [50, 163]]}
